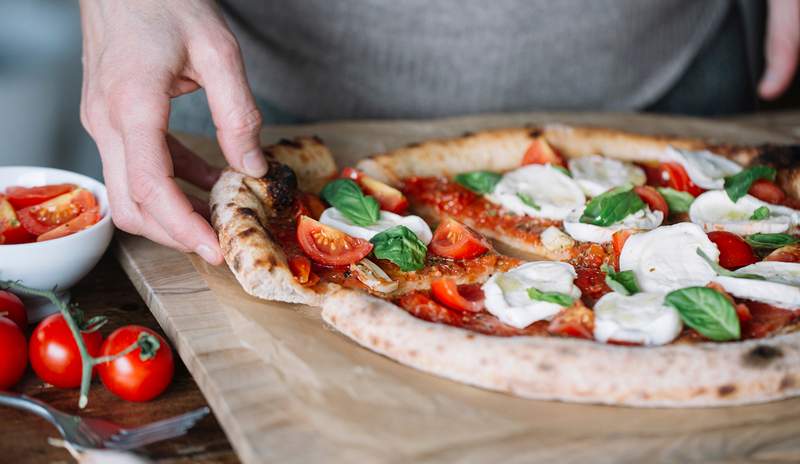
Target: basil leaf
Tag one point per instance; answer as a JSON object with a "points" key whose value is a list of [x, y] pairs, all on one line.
{"points": [[770, 241], [612, 206], [561, 299], [564, 170], [738, 184], [762, 212], [525, 198], [678, 202], [724, 272], [706, 311], [401, 246], [479, 181], [623, 282], [346, 196]]}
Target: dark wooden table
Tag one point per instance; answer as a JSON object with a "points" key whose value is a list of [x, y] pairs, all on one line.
{"points": [[107, 290]]}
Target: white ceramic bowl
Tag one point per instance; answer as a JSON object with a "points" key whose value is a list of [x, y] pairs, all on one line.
{"points": [[58, 263]]}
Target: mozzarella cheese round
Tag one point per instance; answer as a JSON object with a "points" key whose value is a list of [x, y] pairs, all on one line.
{"points": [[644, 219], [666, 258], [507, 292], [641, 318], [554, 193], [597, 174], [781, 289], [714, 210], [334, 218], [704, 168]]}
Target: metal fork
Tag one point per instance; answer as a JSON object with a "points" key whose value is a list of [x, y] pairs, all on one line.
{"points": [[84, 432]]}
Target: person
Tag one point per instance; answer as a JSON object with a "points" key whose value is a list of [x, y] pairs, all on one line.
{"points": [[317, 59]]}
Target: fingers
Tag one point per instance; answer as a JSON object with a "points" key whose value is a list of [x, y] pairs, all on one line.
{"points": [[190, 167], [782, 47], [233, 108]]}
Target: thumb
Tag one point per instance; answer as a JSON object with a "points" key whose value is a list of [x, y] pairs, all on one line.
{"points": [[782, 47], [234, 111]]}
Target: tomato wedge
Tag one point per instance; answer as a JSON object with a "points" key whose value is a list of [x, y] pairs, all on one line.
{"points": [[457, 241], [575, 321], [11, 230], [301, 270], [82, 221], [654, 200], [330, 246], [734, 252], [22, 197], [618, 240], [461, 297], [676, 177], [387, 196], [786, 254], [768, 191], [541, 152], [46, 216]]}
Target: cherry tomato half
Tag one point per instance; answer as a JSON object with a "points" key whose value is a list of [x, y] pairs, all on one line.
{"points": [[767, 191], [734, 252], [575, 321], [54, 354], [541, 152], [129, 377], [46, 216], [461, 297], [82, 221], [11, 230], [327, 245], [618, 240], [654, 200], [676, 177], [457, 241], [13, 308], [22, 197], [13, 354], [387, 196]]}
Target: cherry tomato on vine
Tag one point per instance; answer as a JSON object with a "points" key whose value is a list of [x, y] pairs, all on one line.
{"points": [[54, 354], [142, 374], [13, 308], [13, 355]]}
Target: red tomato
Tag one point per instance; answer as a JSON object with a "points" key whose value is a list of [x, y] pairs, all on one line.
{"points": [[301, 270], [768, 191], [618, 240], [13, 356], [461, 297], [330, 246], [130, 377], [46, 216], [734, 252], [22, 197], [676, 177], [457, 241], [54, 354], [541, 152], [654, 200], [575, 321], [82, 221], [765, 319], [13, 308], [310, 205], [11, 230], [387, 196]]}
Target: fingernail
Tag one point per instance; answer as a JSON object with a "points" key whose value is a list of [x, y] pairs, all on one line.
{"points": [[254, 164], [207, 254]]}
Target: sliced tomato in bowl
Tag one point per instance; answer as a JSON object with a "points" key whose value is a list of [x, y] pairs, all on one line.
{"points": [[541, 152], [387, 196], [22, 197], [46, 216], [457, 241], [11, 230], [330, 246], [82, 221], [460, 297], [654, 200]]}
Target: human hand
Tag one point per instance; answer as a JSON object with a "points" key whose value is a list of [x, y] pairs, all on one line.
{"points": [[136, 57], [782, 47]]}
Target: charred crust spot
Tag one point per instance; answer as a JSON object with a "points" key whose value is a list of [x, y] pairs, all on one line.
{"points": [[290, 143], [726, 390], [468, 134], [761, 356], [268, 152], [244, 211], [249, 232], [242, 190], [546, 367], [213, 208], [269, 262], [412, 353], [237, 262], [535, 133], [281, 185], [373, 340], [470, 336], [413, 145], [779, 156], [316, 138], [788, 381]]}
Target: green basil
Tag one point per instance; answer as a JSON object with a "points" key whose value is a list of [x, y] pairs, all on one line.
{"points": [[346, 196], [525, 198], [706, 311], [401, 246], [612, 206], [479, 181], [623, 282], [738, 184], [564, 170], [724, 272], [561, 299], [762, 212], [678, 202], [770, 241]]}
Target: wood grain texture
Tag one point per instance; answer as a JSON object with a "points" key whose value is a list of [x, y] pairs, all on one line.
{"points": [[270, 417]]}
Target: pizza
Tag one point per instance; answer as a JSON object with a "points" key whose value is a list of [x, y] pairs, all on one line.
{"points": [[568, 263]]}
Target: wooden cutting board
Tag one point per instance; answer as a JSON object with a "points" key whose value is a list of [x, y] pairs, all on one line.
{"points": [[286, 388]]}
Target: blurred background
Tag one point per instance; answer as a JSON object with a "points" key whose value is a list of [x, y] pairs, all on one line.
{"points": [[40, 83]]}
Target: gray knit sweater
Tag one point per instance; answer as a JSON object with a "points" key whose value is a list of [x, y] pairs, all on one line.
{"points": [[323, 59]]}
